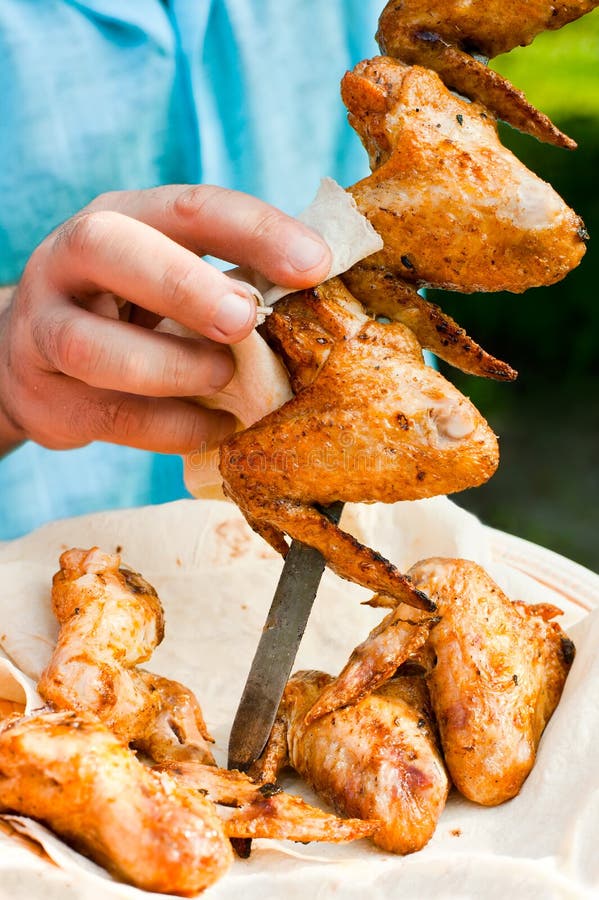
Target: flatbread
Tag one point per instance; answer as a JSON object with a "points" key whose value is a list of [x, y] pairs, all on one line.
{"points": [[216, 579]]}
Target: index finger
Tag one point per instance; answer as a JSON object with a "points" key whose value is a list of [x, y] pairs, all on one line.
{"points": [[230, 225], [107, 251]]}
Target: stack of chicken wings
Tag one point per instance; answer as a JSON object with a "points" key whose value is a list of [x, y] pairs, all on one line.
{"points": [[425, 702], [456, 210], [457, 683], [119, 763]]}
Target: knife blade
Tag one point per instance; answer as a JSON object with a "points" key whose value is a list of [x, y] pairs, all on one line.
{"points": [[277, 649]]}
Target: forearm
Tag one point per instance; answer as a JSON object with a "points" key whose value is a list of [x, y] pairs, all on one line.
{"points": [[10, 436]]}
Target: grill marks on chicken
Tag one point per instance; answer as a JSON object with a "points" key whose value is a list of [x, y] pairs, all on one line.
{"points": [[111, 620], [456, 210], [384, 294], [378, 759], [495, 670], [370, 422], [455, 39]]}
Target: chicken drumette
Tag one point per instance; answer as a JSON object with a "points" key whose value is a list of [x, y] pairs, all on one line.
{"points": [[496, 671], [111, 620], [370, 421], [456, 38]]}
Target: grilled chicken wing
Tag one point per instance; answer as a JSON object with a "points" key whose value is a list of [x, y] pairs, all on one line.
{"points": [[375, 760], [384, 294], [265, 811], [111, 620], [500, 671], [370, 422], [451, 37], [400, 635], [455, 208], [70, 772], [495, 669]]}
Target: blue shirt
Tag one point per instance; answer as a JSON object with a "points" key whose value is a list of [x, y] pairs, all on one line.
{"points": [[120, 94]]}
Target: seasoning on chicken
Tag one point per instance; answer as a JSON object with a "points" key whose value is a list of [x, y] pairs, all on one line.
{"points": [[399, 636], [454, 207], [70, 772], [456, 39], [370, 422], [265, 811], [495, 670], [111, 620], [376, 760], [384, 294], [500, 672]]}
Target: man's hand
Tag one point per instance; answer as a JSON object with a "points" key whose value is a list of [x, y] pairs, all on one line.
{"points": [[79, 359]]}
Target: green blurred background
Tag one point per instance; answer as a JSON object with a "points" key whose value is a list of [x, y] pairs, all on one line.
{"points": [[547, 486]]}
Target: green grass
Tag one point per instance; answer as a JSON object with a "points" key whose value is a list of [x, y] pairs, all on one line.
{"points": [[559, 71]]}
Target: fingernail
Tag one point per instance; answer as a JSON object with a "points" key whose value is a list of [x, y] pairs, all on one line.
{"points": [[306, 253], [222, 371], [234, 313]]}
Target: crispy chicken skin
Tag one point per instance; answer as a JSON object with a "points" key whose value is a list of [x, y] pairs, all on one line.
{"points": [[111, 620], [384, 294], [495, 670], [375, 760], [265, 811], [370, 422], [499, 674], [70, 772], [454, 207], [399, 636], [449, 37]]}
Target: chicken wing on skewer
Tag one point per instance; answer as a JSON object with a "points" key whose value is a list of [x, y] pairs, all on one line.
{"points": [[111, 620], [370, 422], [495, 669], [376, 760], [455, 209], [70, 772], [384, 294], [451, 37]]}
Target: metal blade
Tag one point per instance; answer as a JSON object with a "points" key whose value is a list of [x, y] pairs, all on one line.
{"points": [[277, 649]]}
